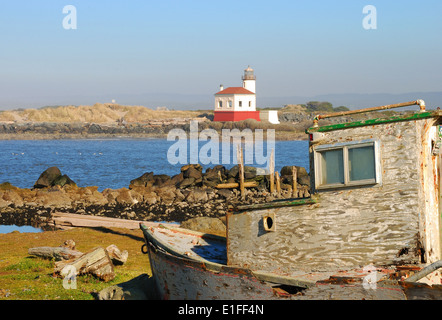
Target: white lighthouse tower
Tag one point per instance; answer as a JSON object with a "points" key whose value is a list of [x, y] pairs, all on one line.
{"points": [[249, 80]]}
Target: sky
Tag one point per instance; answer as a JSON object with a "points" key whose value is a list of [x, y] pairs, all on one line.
{"points": [[136, 49]]}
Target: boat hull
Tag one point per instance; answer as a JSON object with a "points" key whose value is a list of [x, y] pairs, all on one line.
{"points": [[177, 277], [184, 279]]}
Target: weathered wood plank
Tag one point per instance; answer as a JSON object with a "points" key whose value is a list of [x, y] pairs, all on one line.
{"points": [[70, 220]]}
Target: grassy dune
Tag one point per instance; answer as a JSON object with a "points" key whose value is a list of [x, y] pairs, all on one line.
{"points": [[98, 113]]}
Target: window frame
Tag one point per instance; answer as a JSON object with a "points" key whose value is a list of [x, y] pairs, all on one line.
{"points": [[345, 147]]}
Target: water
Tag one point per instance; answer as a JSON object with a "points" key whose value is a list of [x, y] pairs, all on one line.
{"points": [[24, 229], [113, 163]]}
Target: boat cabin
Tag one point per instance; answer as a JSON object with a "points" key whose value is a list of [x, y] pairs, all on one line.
{"points": [[375, 201]]}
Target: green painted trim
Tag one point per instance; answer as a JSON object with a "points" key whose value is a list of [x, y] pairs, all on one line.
{"points": [[370, 122], [276, 204]]}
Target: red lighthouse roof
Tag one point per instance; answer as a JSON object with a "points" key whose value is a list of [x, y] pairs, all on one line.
{"points": [[235, 90]]}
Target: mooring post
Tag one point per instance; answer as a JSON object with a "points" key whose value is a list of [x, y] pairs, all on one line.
{"points": [[240, 159], [278, 183], [272, 171], [294, 183]]}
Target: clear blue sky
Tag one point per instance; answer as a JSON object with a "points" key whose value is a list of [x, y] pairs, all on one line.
{"points": [[190, 47]]}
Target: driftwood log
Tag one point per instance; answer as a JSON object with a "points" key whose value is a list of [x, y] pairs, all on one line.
{"points": [[233, 185], [118, 257], [96, 262], [56, 253]]}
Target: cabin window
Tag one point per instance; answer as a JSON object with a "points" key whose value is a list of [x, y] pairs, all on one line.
{"points": [[347, 164]]}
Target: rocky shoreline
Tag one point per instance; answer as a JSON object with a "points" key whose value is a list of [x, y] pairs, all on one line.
{"points": [[189, 194]]}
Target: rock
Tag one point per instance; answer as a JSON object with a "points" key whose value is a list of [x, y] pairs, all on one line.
{"points": [[302, 175], [179, 195], [205, 225], [150, 198], [225, 193], [210, 183], [118, 257], [137, 197], [249, 172], [12, 197], [192, 172], [197, 195], [143, 181], [186, 183], [110, 195], [233, 172], [212, 176], [7, 186], [195, 166], [166, 194], [53, 198], [47, 178], [62, 181], [161, 180], [90, 196], [177, 179], [124, 197]]}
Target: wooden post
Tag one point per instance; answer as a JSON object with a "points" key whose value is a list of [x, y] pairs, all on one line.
{"points": [[240, 160], [272, 171], [295, 184], [278, 183]]}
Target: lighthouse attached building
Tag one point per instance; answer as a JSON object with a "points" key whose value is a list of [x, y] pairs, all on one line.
{"points": [[237, 103]]}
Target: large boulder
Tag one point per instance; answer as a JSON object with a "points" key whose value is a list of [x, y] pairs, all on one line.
{"points": [[52, 177], [47, 178]]}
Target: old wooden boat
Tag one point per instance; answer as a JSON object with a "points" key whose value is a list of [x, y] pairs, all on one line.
{"points": [[370, 230]]}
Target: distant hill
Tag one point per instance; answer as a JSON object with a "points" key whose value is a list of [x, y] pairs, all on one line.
{"points": [[433, 100]]}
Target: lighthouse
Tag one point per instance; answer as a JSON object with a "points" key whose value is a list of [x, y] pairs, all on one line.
{"points": [[237, 103], [249, 80]]}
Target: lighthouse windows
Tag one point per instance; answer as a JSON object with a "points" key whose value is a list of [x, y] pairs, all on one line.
{"points": [[240, 103], [230, 104], [220, 104]]}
